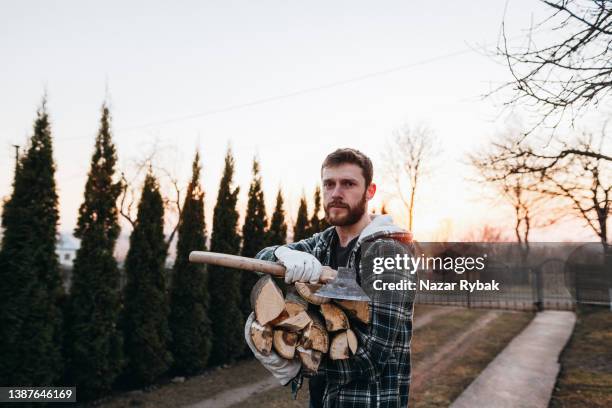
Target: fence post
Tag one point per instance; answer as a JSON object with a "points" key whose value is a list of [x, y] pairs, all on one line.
{"points": [[539, 303]]}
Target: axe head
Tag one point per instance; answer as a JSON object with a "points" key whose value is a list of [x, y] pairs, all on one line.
{"points": [[344, 286]]}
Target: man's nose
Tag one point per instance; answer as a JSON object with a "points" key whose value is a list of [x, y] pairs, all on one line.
{"points": [[337, 192]]}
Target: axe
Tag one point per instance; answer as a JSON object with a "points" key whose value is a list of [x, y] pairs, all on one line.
{"points": [[339, 284]]}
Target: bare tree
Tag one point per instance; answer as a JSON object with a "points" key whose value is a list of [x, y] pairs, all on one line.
{"points": [[572, 70], [169, 188], [578, 173], [518, 189], [532, 210], [409, 158]]}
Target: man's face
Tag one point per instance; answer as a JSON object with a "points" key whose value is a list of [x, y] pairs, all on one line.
{"points": [[345, 196]]}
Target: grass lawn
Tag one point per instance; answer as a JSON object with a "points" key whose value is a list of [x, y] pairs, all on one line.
{"points": [[586, 363]]}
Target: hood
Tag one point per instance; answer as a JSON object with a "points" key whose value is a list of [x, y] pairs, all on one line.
{"points": [[383, 226]]}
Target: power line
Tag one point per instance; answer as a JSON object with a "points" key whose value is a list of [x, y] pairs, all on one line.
{"points": [[297, 92]]}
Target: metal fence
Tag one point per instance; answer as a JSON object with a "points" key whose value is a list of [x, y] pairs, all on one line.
{"points": [[550, 283]]}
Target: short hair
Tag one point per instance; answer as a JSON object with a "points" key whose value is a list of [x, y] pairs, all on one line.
{"points": [[353, 156]]}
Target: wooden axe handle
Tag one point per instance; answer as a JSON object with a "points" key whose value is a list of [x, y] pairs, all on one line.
{"points": [[251, 264]]}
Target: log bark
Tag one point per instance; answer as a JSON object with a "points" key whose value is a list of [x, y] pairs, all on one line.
{"points": [[295, 323], [267, 300], [310, 359], [335, 318], [356, 309], [262, 337], [315, 335], [285, 343], [307, 291]]}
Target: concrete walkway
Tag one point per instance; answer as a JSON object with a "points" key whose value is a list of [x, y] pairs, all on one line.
{"points": [[524, 373]]}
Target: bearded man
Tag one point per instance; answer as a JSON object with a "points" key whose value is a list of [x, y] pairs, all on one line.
{"points": [[378, 374]]}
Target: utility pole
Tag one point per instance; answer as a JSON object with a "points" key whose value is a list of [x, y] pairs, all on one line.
{"points": [[16, 155]]}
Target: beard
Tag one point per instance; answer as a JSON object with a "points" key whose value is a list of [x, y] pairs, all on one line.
{"points": [[352, 215]]}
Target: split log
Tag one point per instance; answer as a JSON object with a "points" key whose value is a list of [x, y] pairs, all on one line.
{"points": [[267, 300], [285, 343], [335, 319], [284, 315], [359, 310], [295, 323], [352, 341], [307, 291], [315, 335], [310, 359], [262, 337], [339, 348], [294, 303]]}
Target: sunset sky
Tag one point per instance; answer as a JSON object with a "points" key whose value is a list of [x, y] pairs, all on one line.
{"points": [[289, 81]]}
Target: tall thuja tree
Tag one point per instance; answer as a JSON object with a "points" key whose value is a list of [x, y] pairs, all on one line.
{"points": [[146, 308], [225, 314], [189, 299], [30, 283], [317, 223], [277, 233], [253, 235], [94, 342], [301, 228]]}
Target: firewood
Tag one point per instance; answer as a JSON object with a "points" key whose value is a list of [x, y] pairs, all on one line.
{"points": [[307, 291], [339, 348], [262, 337], [285, 343], [335, 319], [310, 359], [295, 323], [359, 310], [352, 341], [315, 335], [294, 303], [267, 300], [284, 315]]}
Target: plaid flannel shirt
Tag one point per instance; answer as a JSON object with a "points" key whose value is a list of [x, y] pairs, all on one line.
{"points": [[378, 375]]}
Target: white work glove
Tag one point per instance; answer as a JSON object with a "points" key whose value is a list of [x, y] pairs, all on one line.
{"points": [[301, 266], [283, 370]]}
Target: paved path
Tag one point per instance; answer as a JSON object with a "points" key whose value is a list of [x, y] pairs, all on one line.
{"points": [[524, 373], [230, 397]]}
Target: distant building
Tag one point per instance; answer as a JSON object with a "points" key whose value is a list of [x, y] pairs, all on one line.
{"points": [[66, 249]]}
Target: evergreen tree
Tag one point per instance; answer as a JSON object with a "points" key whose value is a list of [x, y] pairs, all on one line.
{"points": [[189, 322], [301, 229], [317, 224], [146, 308], [225, 314], [253, 235], [277, 234], [94, 343], [30, 282]]}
